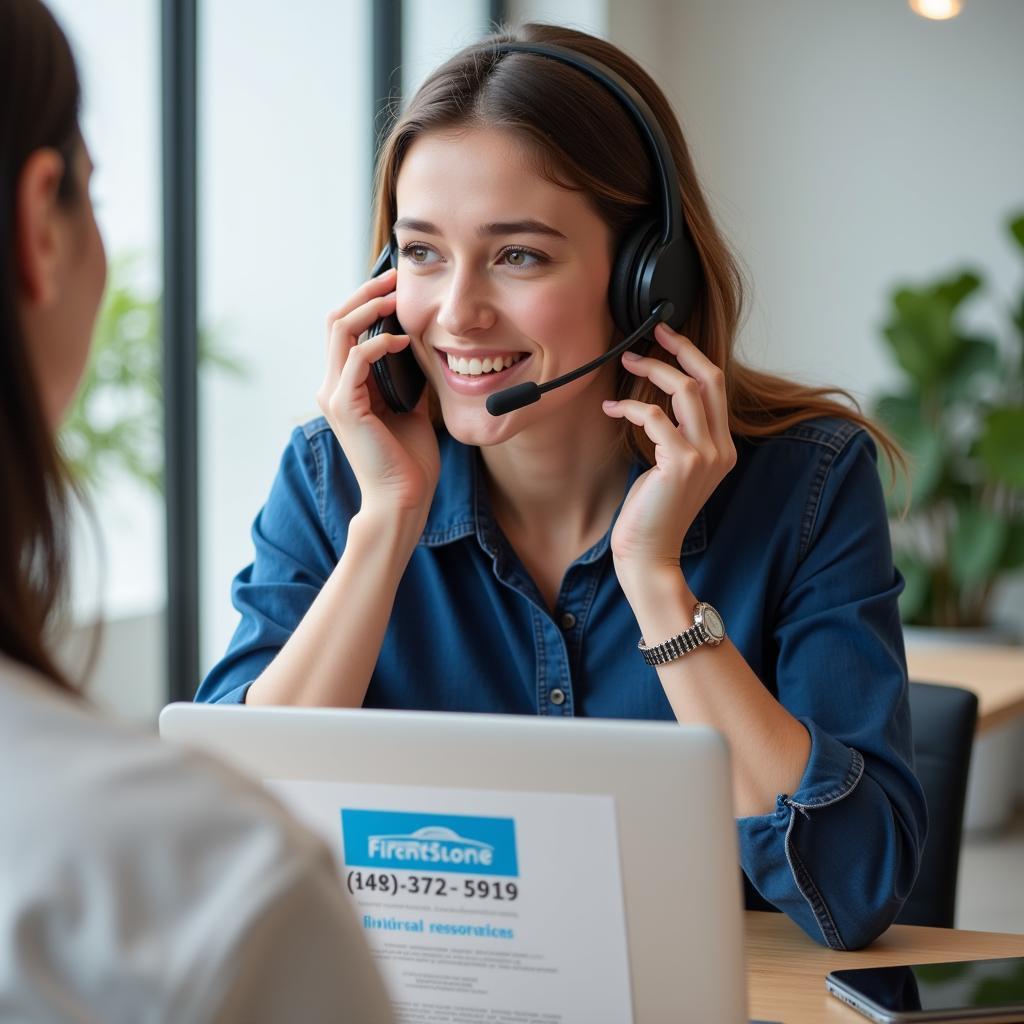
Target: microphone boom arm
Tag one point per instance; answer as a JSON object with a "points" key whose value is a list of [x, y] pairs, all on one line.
{"points": [[516, 397]]}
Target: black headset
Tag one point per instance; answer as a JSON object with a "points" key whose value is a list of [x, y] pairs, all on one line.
{"points": [[655, 274]]}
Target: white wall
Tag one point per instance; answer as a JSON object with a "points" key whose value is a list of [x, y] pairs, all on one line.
{"points": [[119, 663], [846, 147], [586, 15]]}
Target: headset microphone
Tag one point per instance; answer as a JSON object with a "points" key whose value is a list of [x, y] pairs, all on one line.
{"points": [[519, 395]]}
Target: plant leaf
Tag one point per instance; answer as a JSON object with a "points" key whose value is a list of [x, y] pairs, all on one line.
{"points": [[954, 290], [1016, 226], [921, 329], [975, 357], [116, 421], [1001, 446], [976, 545], [917, 591], [1013, 553], [903, 416]]}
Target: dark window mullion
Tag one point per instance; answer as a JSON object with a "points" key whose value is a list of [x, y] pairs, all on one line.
{"points": [[180, 344], [386, 70]]}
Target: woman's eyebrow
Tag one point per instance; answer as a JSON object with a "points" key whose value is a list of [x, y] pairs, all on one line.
{"points": [[511, 227], [519, 227]]}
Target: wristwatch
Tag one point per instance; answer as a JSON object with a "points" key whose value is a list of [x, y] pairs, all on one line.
{"points": [[707, 628]]}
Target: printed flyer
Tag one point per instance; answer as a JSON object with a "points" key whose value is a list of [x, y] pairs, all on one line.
{"points": [[481, 906]]}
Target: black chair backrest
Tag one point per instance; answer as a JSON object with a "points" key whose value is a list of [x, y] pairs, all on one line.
{"points": [[943, 719]]}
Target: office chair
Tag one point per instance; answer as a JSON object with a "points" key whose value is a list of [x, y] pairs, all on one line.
{"points": [[943, 719]]}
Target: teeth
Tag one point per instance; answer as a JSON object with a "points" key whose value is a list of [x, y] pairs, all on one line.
{"points": [[476, 367]]}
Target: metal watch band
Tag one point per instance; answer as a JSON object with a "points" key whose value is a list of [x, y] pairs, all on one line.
{"points": [[707, 628], [676, 646]]}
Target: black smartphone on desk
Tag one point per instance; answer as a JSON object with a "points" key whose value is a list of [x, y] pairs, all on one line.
{"points": [[398, 375], [967, 990]]}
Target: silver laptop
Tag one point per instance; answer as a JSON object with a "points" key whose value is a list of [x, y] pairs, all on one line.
{"points": [[507, 868]]}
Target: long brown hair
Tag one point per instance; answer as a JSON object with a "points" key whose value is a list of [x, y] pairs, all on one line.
{"points": [[583, 139], [39, 103]]}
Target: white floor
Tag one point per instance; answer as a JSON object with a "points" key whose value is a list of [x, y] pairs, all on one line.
{"points": [[990, 893]]}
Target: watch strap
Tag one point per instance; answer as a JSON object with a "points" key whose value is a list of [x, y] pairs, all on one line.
{"points": [[675, 647]]}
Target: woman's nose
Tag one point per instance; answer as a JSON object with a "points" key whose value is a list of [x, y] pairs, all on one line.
{"points": [[466, 306]]}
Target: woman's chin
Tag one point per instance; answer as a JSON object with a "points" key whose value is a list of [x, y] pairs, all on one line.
{"points": [[473, 424]]}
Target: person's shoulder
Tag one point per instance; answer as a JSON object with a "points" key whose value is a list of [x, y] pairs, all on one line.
{"points": [[793, 468], [109, 822], [85, 773], [812, 448], [314, 467], [819, 434]]}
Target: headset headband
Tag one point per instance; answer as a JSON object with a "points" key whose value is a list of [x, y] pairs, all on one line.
{"points": [[643, 117]]}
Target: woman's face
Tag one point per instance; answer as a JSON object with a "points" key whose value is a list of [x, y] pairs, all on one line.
{"points": [[59, 326], [498, 266]]}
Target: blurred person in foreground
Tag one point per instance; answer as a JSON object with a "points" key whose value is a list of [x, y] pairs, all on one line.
{"points": [[138, 882]]}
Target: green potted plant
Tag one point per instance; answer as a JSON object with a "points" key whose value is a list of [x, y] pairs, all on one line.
{"points": [[116, 421], [958, 514], [114, 435]]}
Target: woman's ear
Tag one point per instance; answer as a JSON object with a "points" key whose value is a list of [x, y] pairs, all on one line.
{"points": [[39, 228]]}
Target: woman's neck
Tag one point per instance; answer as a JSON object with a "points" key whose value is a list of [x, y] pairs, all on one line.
{"points": [[562, 480]]}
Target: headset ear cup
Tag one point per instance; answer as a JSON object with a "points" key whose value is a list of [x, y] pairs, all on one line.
{"points": [[627, 276]]}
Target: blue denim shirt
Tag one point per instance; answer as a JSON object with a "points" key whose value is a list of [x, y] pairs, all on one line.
{"points": [[792, 548]]}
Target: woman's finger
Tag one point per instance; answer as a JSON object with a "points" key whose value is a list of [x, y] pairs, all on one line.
{"points": [[657, 426], [356, 371], [686, 394], [379, 285], [709, 376], [345, 331]]}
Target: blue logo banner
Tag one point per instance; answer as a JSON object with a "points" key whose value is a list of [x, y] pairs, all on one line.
{"points": [[414, 841]]}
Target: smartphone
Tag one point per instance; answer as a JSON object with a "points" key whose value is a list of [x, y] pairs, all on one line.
{"points": [[398, 375], [965, 990]]}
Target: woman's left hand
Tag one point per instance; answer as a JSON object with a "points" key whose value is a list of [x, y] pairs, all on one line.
{"points": [[691, 455]]}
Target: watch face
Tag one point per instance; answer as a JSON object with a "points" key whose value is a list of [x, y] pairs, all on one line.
{"points": [[713, 622]]}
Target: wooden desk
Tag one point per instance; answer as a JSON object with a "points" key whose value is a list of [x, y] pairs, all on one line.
{"points": [[995, 674], [786, 970]]}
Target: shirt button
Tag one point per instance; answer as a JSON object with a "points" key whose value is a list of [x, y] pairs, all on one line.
{"points": [[557, 697], [568, 620]]}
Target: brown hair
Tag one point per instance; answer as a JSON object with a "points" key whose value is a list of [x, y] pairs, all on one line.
{"points": [[602, 154], [39, 101]]}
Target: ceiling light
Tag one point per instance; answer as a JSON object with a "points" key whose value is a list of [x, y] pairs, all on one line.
{"points": [[937, 10]]}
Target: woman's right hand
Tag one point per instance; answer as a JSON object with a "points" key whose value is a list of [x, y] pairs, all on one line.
{"points": [[394, 456]]}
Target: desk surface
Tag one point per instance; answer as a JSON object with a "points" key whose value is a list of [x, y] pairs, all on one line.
{"points": [[786, 970], [995, 674]]}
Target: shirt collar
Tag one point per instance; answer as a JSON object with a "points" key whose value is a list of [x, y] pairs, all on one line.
{"points": [[461, 508], [452, 512]]}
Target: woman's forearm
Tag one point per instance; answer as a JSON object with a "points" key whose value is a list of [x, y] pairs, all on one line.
{"points": [[715, 686], [329, 659]]}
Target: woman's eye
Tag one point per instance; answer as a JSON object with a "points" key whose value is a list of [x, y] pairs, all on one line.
{"points": [[417, 254], [516, 257]]}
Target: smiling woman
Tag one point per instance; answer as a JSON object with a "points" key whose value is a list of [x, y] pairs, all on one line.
{"points": [[549, 560], [479, 280]]}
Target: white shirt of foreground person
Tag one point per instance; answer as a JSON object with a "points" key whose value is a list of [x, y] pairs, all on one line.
{"points": [[140, 882]]}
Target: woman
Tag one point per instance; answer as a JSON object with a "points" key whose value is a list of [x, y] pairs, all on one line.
{"points": [[137, 882], [447, 558]]}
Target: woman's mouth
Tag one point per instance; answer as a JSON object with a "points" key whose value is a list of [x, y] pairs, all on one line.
{"points": [[478, 374]]}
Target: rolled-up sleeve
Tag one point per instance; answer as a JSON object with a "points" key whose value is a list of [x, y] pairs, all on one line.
{"points": [[841, 853], [293, 557]]}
